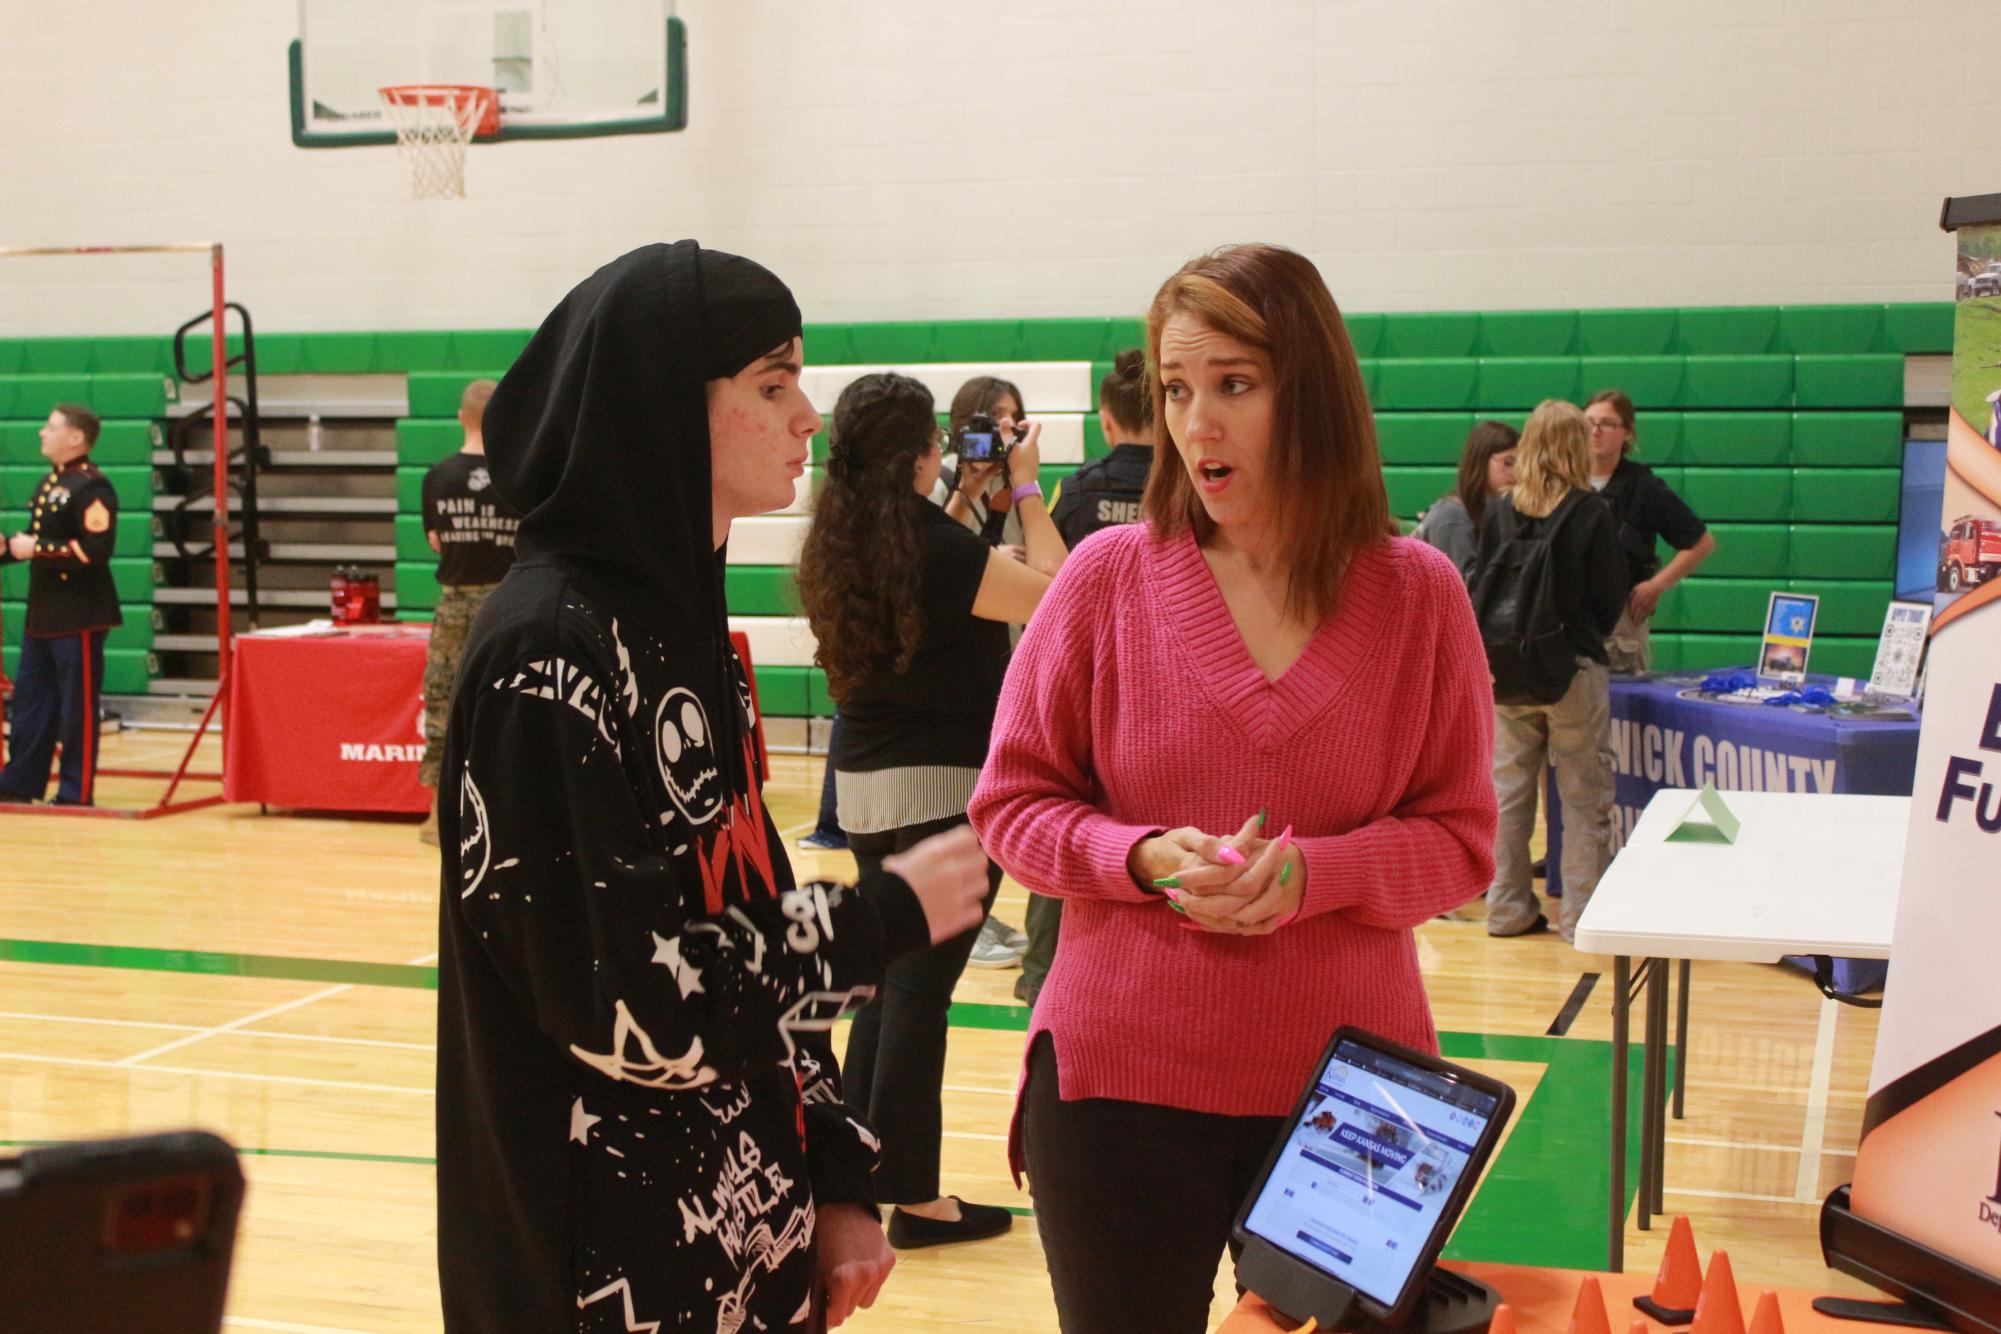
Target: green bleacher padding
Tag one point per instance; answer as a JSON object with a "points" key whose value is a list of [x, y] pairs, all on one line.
{"points": [[1626, 333], [1848, 606], [1726, 330], [1724, 606], [1523, 382], [131, 356], [1759, 495], [437, 393], [1736, 439], [1710, 381], [1830, 329], [57, 356], [1847, 550], [1918, 328], [1053, 474], [1099, 370], [411, 544], [1413, 490], [130, 395], [1434, 383], [820, 445], [128, 444], [280, 353], [1849, 656], [1747, 551], [1423, 437], [1095, 446], [127, 671], [417, 585], [1429, 334], [987, 340], [1528, 333], [1664, 649], [410, 489], [1848, 439], [1659, 443], [473, 349], [1365, 331], [413, 350], [31, 396], [341, 353], [1708, 653], [1651, 382], [132, 577], [420, 443], [13, 352], [889, 343], [1861, 380], [783, 692], [135, 633], [818, 701], [1846, 495], [761, 590], [830, 344]]}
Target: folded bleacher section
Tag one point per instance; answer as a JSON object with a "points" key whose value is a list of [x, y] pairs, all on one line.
{"points": [[1782, 426]]}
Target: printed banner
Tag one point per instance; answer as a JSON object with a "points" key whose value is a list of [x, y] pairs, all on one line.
{"points": [[1930, 1161]]}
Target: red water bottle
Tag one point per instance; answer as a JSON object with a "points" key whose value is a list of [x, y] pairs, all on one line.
{"points": [[372, 592], [339, 594], [357, 597]]}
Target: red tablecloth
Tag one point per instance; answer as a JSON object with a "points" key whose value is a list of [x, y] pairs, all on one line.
{"points": [[328, 722]]}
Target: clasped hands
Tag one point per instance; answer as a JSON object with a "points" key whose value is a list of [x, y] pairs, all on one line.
{"points": [[1242, 885]]}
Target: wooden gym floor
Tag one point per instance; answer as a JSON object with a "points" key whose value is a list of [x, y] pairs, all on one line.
{"points": [[269, 978]]}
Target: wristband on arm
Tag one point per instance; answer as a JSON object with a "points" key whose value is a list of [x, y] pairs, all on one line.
{"points": [[1025, 490]]}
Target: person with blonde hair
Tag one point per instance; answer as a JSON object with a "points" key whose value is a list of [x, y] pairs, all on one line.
{"points": [[1552, 502]]}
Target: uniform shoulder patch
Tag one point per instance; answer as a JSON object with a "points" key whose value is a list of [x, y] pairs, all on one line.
{"points": [[97, 517]]}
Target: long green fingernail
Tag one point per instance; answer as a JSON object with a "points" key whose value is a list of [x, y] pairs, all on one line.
{"points": [[1168, 882], [1177, 907], [1261, 818], [1285, 873]]}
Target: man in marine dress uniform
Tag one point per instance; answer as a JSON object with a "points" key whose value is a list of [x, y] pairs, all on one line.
{"points": [[72, 605]]}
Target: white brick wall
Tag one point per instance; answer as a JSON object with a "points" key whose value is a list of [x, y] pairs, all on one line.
{"points": [[903, 159]]}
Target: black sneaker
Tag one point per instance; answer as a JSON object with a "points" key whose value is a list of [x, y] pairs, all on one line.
{"points": [[9, 797], [977, 1222]]}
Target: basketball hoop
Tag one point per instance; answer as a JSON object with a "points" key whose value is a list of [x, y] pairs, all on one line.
{"points": [[434, 122]]}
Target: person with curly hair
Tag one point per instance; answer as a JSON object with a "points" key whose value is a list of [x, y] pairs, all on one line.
{"points": [[911, 610]]}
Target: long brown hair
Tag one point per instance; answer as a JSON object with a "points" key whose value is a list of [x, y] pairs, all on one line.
{"points": [[1326, 472], [860, 565], [1486, 439], [1553, 459]]}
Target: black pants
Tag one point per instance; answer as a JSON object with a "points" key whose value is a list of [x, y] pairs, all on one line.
{"points": [[896, 1050], [56, 689], [1134, 1202]]}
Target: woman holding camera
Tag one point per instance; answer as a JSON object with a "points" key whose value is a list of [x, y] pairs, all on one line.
{"points": [[1248, 740], [911, 613]]}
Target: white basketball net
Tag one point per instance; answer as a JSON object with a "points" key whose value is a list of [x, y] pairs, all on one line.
{"points": [[433, 126]]}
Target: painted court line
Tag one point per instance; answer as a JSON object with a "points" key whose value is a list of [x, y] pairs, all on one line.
{"points": [[84, 1063], [1746, 1146], [236, 1033]]}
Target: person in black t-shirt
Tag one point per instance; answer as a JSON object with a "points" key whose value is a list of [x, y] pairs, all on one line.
{"points": [[472, 530], [1645, 510], [911, 610]]}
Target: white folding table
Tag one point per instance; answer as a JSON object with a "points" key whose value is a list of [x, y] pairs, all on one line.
{"points": [[1808, 873]]}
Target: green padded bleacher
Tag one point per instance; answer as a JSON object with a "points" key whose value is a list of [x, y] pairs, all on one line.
{"points": [[120, 443], [136, 633], [134, 486], [126, 671]]}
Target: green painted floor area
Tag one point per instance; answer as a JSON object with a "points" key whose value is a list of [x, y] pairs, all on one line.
{"points": [[1543, 1202]]}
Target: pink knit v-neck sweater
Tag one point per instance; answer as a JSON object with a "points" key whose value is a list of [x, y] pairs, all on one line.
{"points": [[1132, 706]]}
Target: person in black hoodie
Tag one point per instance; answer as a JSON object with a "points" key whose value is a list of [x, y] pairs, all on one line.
{"points": [[639, 1114]]}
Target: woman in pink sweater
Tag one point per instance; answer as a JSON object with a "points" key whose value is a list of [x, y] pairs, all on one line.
{"points": [[1249, 741]]}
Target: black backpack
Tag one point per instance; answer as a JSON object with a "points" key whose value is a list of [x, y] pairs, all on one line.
{"points": [[1529, 650]]}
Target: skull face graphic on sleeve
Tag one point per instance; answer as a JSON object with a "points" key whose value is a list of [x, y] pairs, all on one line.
{"points": [[686, 749]]}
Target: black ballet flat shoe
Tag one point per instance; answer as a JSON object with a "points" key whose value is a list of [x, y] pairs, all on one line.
{"points": [[1535, 928], [977, 1222]]}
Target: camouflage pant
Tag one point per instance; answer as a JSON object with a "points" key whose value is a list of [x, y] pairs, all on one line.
{"points": [[457, 605]]}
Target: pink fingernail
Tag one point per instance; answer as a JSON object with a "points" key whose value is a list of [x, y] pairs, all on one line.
{"points": [[1287, 921], [1229, 856], [1284, 840], [1172, 893]]}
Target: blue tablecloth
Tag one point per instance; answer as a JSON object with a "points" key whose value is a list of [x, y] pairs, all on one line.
{"points": [[1660, 739]]}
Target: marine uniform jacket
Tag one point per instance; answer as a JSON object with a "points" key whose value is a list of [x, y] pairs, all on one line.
{"points": [[74, 521]]}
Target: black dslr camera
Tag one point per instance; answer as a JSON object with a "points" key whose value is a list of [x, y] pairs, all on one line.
{"points": [[980, 440]]}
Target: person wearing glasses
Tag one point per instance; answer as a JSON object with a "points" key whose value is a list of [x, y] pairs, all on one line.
{"points": [[1645, 511]]}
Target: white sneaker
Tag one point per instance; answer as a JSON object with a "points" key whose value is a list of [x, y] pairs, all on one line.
{"points": [[999, 946]]}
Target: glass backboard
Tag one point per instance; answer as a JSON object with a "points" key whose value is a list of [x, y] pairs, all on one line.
{"points": [[563, 68]]}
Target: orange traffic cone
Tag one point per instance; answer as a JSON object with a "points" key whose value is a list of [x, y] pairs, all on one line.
{"points": [[1588, 1316], [1717, 1311], [1679, 1282], [1503, 1321], [1768, 1320]]}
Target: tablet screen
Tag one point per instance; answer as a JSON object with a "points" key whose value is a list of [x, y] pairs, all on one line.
{"points": [[1366, 1173]]}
